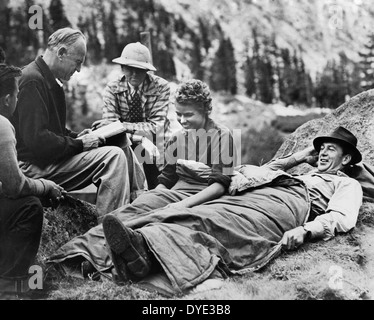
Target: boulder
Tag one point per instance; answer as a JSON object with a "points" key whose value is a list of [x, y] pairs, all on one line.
{"points": [[357, 115], [71, 218]]}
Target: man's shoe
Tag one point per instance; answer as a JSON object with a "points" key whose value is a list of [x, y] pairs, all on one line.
{"points": [[89, 271], [120, 273], [128, 245]]}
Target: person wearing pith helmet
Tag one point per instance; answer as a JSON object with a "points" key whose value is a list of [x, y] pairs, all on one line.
{"points": [[140, 100], [136, 55]]}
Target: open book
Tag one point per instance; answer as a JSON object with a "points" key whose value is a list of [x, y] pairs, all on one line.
{"points": [[110, 130]]}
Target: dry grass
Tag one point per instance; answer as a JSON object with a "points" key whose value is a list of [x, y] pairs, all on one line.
{"points": [[304, 274]]}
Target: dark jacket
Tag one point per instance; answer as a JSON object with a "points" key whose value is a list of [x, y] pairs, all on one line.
{"points": [[40, 118]]}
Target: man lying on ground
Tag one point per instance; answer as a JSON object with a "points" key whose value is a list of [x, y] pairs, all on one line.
{"points": [[233, 234]]}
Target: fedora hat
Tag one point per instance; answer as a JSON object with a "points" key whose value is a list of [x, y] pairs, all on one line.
{"points": [[344, 137], [135, 55]]}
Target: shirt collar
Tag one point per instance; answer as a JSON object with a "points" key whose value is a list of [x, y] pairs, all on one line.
{"points": [[47, 73], [59, 82], [331, 173], [148, 87], [132, 88]]}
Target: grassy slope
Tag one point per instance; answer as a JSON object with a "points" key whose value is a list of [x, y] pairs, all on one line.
{"points": [[306, 273], [302, 274]]}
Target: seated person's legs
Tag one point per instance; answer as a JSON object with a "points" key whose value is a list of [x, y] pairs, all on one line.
{"points": [[106, 167], [151, 172], [21, 225]]}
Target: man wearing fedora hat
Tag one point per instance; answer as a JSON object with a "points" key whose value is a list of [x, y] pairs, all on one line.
{"points": [[328, 202], [335, 197], [140, 100]]}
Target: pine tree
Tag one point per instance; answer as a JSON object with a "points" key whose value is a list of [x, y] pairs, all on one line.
{"points": [[57, 15], [249, 71], [266, 81], [89, 28], [301, 88], [21, 41], [255, 62], [111, 46], [331, 87], [4, 24], [231, 67], [196, 58], [2, 55], [265, 74], [285, 74], [367, 64], [223, 70]]}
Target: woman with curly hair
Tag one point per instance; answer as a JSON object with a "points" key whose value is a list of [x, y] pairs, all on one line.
{"points": [[199, 161], [201, 141]]}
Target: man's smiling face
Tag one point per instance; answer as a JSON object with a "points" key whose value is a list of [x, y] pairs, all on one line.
{"points": [[331, 157]]}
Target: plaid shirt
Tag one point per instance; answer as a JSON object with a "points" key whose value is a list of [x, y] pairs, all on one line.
{"points": [[155, 104]]}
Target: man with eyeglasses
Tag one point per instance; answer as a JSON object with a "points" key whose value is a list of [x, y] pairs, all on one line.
{"points": [[47, 149]]}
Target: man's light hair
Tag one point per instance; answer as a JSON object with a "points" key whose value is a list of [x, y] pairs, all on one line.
{"points": [[64, 37]]}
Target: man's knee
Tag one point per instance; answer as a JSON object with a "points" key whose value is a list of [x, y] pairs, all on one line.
{"points": [[35, 213], [112, 151], [115, 154]]}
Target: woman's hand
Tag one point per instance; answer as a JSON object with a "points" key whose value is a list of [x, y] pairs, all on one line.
{"points": [[150, 148]]}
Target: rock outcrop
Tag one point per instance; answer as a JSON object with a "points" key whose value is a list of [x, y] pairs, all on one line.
{"points": [[71, 218], [357, 115]]}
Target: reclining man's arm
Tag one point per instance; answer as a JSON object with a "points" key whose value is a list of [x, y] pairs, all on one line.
{"points": [[340, 216], [341, 212], [308, 155]]}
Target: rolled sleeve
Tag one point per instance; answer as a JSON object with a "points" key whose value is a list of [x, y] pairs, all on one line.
{"points": [[342, 211]]}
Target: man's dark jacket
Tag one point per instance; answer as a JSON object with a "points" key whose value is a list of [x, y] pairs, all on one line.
{"points": [[40, 118]]}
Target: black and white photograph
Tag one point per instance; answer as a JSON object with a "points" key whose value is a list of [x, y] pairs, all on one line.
{"points": [[186, 155]]}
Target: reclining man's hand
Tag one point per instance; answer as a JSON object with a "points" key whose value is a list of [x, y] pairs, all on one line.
{"points": [[308, 155], [292, 239], [311, 156]]}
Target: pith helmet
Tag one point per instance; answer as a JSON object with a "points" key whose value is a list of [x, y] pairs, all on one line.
{"points": [[135, 55]]}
